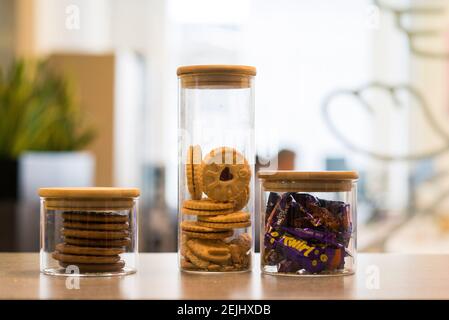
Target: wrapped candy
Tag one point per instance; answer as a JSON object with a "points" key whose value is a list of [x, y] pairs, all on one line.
{"points": [[304, 232], [309, 222], [316, 235], [272, 210], [313, 258], [272, 257], [340, 210], [288, 266]]}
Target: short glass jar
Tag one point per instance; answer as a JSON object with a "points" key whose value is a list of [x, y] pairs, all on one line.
{"points": [[308, 222], [216, 168], [88, 231]]}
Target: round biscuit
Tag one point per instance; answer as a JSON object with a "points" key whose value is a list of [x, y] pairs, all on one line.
{"points": [[88, 251], [86, 267], [211, 235], [200, 263], [193, 171], [71, 258], [194, 227], [207, 204], [92, 216], [210, 250], [230, 225], [89, 234], [214, 267], [187, 265], [103, 243], [194, 212], [95, 226], [227, 218], [225, 173], [242, 199]]}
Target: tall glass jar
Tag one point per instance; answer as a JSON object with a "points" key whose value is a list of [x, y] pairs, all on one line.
{"points": [[308, 222], [89, 231], [216, 168]]}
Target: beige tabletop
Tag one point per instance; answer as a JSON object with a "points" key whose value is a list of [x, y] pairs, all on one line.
{"points": [[379, 276]]}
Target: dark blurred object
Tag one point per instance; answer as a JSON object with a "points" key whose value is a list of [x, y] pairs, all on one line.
{"points": [[8, 199], [336, 164], [8, 223], [158, 222], [286, 159], [9, 179]]}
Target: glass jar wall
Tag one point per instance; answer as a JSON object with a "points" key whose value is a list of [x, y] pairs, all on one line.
{"points": [[88, 231], [216, 168], [308, 222]]}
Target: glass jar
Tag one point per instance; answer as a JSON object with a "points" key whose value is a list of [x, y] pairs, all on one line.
{"points": [[216, 168], [308, 222], [88, 231]]}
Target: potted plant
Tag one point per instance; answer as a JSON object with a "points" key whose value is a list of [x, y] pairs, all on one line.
{"points": [[38, 112]]}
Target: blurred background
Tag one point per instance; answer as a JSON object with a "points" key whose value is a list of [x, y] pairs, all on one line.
{"points": [[88, 96]]}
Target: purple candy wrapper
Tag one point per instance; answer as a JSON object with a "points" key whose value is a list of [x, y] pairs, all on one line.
{"points": [[312, 218], [312, 258], [311, 234]]}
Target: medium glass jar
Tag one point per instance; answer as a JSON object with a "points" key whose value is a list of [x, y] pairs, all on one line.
{"points": [[308, 222], [88, 231], [216, 168]]}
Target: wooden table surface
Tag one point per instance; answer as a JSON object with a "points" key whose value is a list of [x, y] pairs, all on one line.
{"points": [[379, 276]]}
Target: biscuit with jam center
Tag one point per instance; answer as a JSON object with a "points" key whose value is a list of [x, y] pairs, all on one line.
{"points": [[214, 268], [207, 204], [210, 250], [195, 227], [242, 200], [194, 212], [209, 235], [193, 172], [200, 263], [227, 218], [226, 173], [185, 264], [229, 225]]}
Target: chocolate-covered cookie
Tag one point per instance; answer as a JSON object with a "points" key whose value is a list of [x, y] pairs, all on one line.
{"points": [[95, 216], [95, 234], [95, 226], [86, 267], [112, 243], [72, 258], [90, 251]]}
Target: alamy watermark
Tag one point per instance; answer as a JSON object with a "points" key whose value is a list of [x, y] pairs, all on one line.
{"points": [[372, 17], [372, 280], [72, 19], [72, 282]]}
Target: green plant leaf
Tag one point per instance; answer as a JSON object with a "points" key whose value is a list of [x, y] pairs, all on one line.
{"points": [[38, 111]]}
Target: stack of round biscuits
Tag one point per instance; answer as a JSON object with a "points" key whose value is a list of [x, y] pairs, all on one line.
{"points": [[224, 177], [93, 240]]}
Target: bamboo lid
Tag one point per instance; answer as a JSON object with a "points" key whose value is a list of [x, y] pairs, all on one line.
{"points": [[89, 199], [314, 181], [216, 76], [89, 193]]}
